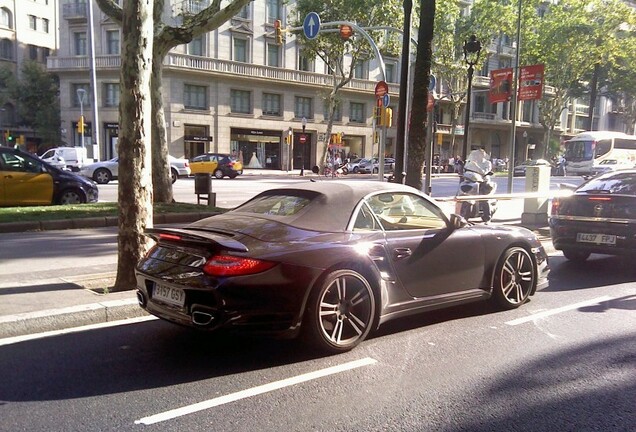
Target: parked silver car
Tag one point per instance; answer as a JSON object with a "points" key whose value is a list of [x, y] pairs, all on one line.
{"points": [[105, 171], [372, 166]]}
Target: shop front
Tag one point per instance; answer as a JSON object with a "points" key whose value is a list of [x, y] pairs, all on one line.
{"points": [[259, 149], [196, 141], [111, 135]]}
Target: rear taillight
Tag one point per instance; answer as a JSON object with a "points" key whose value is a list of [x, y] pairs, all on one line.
{"points": [[555, 207], [229, 265], [173, 237], [600, 199]]}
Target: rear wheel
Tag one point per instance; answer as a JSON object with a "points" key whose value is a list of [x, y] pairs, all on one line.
{"points": [[515, 278], [218, 174], [173, 175], [576, 255], [102, 176], [340, 312]]}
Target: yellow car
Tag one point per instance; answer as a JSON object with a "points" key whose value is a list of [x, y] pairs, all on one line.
{"points": [[217, 164], [26, 180]]}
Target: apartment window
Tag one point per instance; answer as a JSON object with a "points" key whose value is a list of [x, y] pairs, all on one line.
{"points": [[303, 107], [241, 101], [79, 43], [6, 49], [195, 47], [240, 50], [356, 112], [273, 11], [271, 104], [305, 63], [6, 18], [112, 42], [111, 95], [45, 25], [195, 97], [86, 102], [337, 114], [33, 52], [46, 52], [273, 55], [244, 12], [359, 70], [390, 72], [33, 22]]}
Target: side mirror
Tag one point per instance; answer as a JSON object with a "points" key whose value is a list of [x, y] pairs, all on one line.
{"points": [[457, 221]]}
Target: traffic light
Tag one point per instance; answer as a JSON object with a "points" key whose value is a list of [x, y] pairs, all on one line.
{"points": [[377, 115], [9, 137], [386, 117], [279, 32], [80, 125]]}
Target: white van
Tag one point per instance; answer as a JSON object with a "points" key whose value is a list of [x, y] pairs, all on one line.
{"points": [[74, 157]]}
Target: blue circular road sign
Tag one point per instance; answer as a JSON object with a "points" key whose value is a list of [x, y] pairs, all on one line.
{"points": [[386, 100], [311, 25]]}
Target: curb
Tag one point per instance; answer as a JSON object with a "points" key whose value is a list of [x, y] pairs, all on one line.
{"points": [[74, 316]]}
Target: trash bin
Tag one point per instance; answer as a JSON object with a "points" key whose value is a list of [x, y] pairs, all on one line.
{"points": [[202, 183]]}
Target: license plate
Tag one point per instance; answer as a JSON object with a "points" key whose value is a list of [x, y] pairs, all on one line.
{"points": [[169, 295], [608, 239]]}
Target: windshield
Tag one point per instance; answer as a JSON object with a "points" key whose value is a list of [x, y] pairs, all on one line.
{"points": [[576, 151], [617, 183]]}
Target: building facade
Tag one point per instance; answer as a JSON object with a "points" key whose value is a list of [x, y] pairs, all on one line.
{"points": [[28, 32], [233, 90]]}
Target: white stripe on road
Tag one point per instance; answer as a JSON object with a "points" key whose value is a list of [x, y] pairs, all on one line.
{"points": [[544, 314], [243, 394], [24, 338]]}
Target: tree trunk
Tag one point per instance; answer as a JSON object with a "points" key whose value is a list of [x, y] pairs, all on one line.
{"points": [[135, 182], [161, 179], [593, 93], [418, 125]]}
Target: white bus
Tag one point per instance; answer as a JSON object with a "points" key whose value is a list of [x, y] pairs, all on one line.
{"points": [[588, 149]]}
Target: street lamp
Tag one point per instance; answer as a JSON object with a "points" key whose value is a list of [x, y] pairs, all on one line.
{"points": [[81, 94], [472, 50], [302, 148]]}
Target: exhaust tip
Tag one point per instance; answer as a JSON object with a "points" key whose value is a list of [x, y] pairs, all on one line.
{"points": [[141, 299], [201, 318]]}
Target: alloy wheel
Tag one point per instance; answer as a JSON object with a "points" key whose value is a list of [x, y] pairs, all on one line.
{"points": [[515, 278]]}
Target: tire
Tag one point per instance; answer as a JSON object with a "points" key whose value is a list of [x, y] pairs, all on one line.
{"points": [[576, 255], [102, 176], [341, 312], [218, 174], [515, 278], [355, 170], [375, 170], [345, 171], [71, 196], [173, 175], [466, 210]]}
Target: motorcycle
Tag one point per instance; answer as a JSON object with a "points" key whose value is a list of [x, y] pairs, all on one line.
{"points": [[477, 183]]}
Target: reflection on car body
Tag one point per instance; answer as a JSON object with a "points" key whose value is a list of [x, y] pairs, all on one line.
{"points": [[332, 261]]}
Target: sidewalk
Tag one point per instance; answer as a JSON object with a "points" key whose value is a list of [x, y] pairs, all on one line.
{"points": [[57, 303]]}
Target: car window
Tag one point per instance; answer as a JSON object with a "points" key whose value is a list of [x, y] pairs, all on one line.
{"points": [[366, 221], [14, 162], [277, 205], [616, 183], [403, 211]]}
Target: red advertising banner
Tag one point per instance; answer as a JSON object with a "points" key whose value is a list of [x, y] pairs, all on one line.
{"points": [[500, 85], [531, 82]]}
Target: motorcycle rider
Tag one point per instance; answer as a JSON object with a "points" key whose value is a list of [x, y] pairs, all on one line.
{"points": [[476, 181]]}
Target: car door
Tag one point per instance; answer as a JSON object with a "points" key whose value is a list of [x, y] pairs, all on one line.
{"points": [[429, 258], [25, 181]]}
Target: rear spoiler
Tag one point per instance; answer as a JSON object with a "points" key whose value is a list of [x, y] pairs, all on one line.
{"points": [[197, 238]]}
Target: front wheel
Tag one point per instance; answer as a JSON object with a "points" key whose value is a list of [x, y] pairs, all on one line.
{"points": [[515, 278], [340, 312], [71, 196], [102, 176]]}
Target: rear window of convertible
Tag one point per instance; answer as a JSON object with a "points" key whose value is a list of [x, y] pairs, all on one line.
{"points": [[277, 205]]}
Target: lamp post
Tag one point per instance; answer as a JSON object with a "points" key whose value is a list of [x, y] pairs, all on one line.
{"points": [[472, 50], [302, 148], [81, 94], [290, 148]]}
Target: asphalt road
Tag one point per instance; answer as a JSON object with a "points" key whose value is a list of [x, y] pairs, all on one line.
{"points": [[563, 362], [232, 192]]}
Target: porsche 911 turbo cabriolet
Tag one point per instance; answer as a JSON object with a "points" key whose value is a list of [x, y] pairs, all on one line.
{"points": [[331, 261]]}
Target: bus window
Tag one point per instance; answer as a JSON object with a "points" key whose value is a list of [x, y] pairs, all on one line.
{"points": [[602, 147], [627, 144]]}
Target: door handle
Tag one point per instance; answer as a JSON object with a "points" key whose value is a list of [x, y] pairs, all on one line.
{"points": [[401, 253]]}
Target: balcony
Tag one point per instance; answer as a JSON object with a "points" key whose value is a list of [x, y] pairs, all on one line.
{"points": [[221, 68], [75, 11]]}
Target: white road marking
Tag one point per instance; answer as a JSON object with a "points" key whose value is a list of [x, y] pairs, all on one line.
{"points": [[243, 394], [24, 338], [544, 314]]}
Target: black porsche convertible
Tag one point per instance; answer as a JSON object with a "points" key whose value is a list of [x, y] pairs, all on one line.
{"points": [[332, 261]]}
